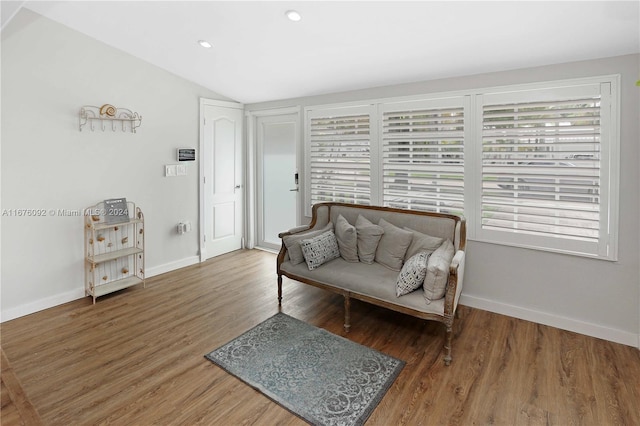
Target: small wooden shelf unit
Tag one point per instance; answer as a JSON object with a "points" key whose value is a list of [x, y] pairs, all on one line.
{"points": [[114, 252]]}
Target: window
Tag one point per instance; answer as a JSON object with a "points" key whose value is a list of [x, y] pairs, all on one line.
{"points": [[531, 166], [423, 155], [338, 147], [544, 181]]}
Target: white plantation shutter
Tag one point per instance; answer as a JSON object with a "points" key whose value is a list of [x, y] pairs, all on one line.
{"points": [[543, 174], [423, 155], [339, 145], [532, 166]]}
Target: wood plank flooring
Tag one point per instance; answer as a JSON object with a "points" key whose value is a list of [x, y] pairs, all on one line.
{"points": [[136, 357], [15, 407]]}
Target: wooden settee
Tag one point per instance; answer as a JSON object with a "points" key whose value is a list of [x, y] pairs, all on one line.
{"points": [[374, 283]]}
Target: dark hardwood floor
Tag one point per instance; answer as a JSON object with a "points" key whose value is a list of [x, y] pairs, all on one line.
{"points": [[136, 358]]}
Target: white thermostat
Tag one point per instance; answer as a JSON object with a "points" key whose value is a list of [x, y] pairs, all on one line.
{"points": [[186, 154]]}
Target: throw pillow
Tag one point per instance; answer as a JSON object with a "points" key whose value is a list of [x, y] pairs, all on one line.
{"points": [[368, 237], [347, 239], [392, 246], [292, 242], [435, 282], [422, 242], [412, 274], [320, 249]]}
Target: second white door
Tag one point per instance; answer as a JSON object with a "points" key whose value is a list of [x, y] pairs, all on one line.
{"points": [[278, 184]]}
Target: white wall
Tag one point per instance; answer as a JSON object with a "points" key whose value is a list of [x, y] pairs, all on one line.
{"points": [[48, 72], [594, 297]]}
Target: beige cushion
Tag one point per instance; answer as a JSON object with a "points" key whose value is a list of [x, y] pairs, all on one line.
{"points": [[347, 239], [292, 242], [368, 237], [435, 282], [375, 281], [392, 246], [412, 274], [421, 242]]}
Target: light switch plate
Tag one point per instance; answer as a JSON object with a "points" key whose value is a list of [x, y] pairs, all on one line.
{"points": [[170, 170], [181, 169]]}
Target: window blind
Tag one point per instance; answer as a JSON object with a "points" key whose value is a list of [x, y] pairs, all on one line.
{"points": [[541, 166], [423, 159], [533, 165], [339, 154]]}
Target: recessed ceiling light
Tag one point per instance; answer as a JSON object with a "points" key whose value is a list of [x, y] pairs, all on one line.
{"points": [[205, 44], [293, 15]]}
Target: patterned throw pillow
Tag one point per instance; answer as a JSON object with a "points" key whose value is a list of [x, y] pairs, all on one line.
{"points": [[320, 249], [292, 242], [412, 274]]}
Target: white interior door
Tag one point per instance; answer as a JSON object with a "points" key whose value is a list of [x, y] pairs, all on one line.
{"points": [[277, 137], [222, 179]]}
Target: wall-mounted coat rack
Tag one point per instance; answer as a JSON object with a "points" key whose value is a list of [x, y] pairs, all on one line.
{"points": [[108, 113]]}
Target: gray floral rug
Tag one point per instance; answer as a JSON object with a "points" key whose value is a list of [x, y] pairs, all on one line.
{"points": [[323, 378]]}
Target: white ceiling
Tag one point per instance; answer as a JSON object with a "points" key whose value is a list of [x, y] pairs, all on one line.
{"points": [[259, 55]]}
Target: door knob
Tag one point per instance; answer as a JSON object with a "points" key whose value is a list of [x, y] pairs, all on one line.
{"points": [[237, 186], [294, 190]]}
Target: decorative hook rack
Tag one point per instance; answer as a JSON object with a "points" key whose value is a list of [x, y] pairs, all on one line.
{"points": [[108, 113]]}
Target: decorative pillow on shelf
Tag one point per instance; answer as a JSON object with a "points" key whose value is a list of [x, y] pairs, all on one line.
{"points": [[347, 239], [422, 242], [435, 282], [292, 242], [368, 237], [392, 246], [320, 249], [412, 274]]}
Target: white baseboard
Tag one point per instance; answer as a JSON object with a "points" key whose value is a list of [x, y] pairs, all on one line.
{"points": [[267, 249], [42, 304], [59, 299], [564, 323], [172, 266]]}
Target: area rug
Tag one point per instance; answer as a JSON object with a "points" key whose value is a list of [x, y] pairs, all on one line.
{"points": [[322, 378]]}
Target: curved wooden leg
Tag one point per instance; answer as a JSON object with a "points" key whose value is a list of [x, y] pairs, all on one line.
{"points": [[447, 344], [347, 313], [279, 290]]}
